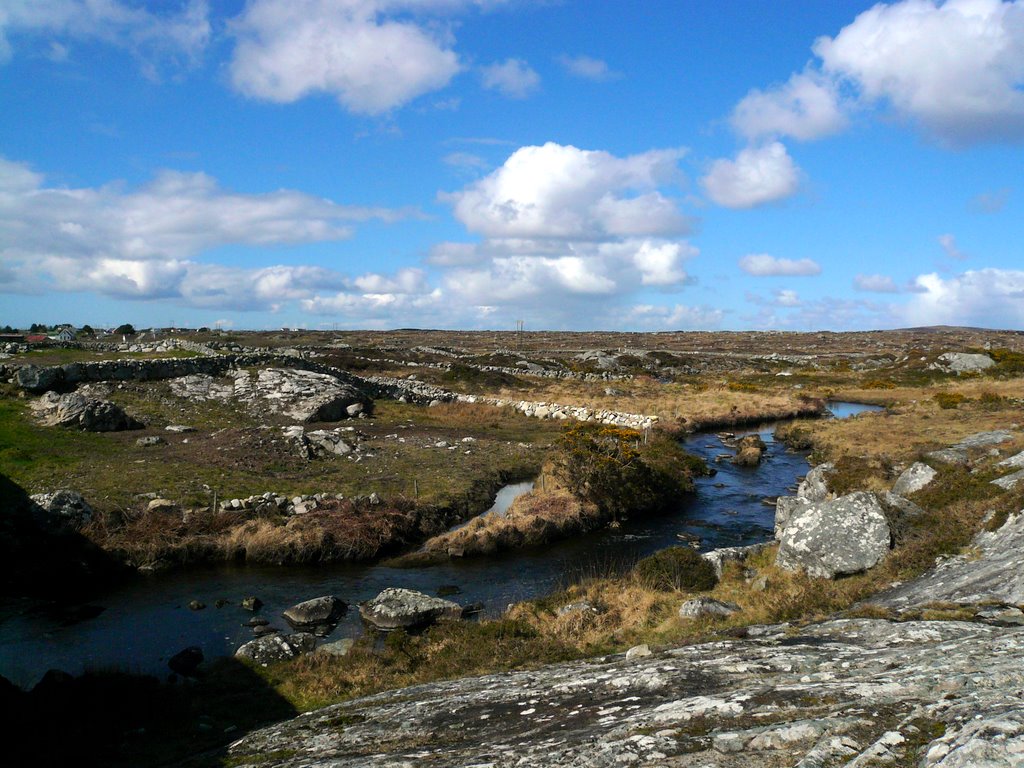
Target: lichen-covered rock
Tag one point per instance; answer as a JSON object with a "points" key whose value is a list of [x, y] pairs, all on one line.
{"points": [[60, 509], [320, 610], [844, 692], [992, 571], [960, 453], [404, 608], [273, 648], [814, 487], [834, 538], [77, 411], [785, 508], [719, 557], [913, 479], [962, 362], [1009, 482]]}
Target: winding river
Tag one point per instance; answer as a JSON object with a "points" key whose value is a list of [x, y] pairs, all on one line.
{"points": [[145, 622]]}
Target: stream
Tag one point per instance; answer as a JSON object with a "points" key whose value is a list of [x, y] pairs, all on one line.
{"points": [[145, 622]]}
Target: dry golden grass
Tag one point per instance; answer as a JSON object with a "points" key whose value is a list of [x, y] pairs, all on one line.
{"points": [[705, 402]]}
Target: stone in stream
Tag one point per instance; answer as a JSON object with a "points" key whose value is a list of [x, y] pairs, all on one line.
{"points": [[273, 648], [251, 603], [835, 538], [316, 612], [187, 661], [749, 450], [396, 608]]}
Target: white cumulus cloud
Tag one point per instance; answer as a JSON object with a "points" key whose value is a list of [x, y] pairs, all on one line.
{"points": [[561, 191], [513, 78], [955, 68], [758, 175], [766, 265], [805, 107], [987, 297], [370, 61]]}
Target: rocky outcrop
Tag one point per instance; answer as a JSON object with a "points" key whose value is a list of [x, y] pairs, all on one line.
{"points": [[814, 487], [962, 452], [719, 557], [913, 479], [76, 411], [990, 571], [962, 362], [700, 607], [405, 608], [844, 692], [835, 538], [301, 395]]}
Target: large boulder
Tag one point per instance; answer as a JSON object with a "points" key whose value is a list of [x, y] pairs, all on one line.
{"points": [[785, 508], [962, 362], [913, 479], [405, 608], [59, 510], [835, 538], [316, 612], [273, 648], [76, 411]]}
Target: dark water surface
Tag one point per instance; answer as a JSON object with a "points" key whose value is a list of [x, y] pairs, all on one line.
{"points": [[144, 623]]}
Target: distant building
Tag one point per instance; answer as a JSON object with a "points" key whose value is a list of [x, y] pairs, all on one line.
{"points": [[64, 334], [36, 338]]}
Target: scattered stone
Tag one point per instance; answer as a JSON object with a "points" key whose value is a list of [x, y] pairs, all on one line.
{"points": [[707, 606], [913, 479], [150, 441], [638, 651], [962, 362], [583, 606], [257, 621], [338, 647], [320, 610], [405, 608], [251, 603], [179, 428], [161, 505], [221, 602], [273, 648], [187, 661], [447, 590], [262, 630], [835, 538]]}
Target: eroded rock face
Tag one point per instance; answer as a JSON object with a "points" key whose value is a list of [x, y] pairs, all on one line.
{"points": [[402, 608], [827, 695], [76, 411], [834, 538]]}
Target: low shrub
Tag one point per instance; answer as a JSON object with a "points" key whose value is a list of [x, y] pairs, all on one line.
{"points": [[879, 384], [676, 568], [949, 400]]}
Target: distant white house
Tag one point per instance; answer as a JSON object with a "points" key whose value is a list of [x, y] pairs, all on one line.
{"points": [[64, 334]]}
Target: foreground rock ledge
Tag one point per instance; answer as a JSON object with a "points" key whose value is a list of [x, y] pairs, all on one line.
{"points": [[823, 695]]}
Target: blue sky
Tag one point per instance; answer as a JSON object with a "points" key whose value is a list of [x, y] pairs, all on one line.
{"points": [[469, 163]]}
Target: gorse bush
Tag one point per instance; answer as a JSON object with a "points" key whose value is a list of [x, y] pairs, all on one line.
{"points": [[949, 400], [676, 568]]}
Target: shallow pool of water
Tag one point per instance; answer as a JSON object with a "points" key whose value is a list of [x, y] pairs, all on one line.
{"points": [[145, 622]]}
